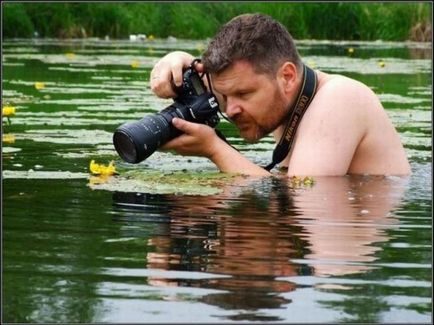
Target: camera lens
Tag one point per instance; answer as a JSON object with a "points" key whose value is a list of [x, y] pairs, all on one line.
{"points": [[136, 141], [125, 146]]}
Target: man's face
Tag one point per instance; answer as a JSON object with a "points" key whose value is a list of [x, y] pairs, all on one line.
{"points": [[254, 102]]}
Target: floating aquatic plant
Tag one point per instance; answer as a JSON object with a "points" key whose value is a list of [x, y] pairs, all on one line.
{"points": [[157, 182], [70, 55], [39, 174], [135, 64], [8, 138], [8, 111], [311, 64], [300, 182], [39, 85], [100, 169]]}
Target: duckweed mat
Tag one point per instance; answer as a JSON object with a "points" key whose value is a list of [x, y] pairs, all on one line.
{"points": [[154, 182]]}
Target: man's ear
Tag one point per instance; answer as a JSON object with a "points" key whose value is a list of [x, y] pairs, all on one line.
{"points": [[288, 76]]}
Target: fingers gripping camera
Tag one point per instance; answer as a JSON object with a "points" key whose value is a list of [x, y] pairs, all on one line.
{"points": [[136, 141]]}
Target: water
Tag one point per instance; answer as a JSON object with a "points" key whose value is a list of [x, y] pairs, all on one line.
{"points": [[79, 248]]}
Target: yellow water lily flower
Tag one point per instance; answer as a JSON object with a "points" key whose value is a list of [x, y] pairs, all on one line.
{"points": [[99, 169], [308, 181], [135, 64], [8, 138], [39, 85], [311, 64], [200, 47], [381, 64], [350, 50], [8, 110], [151, 37], [299, 182]]}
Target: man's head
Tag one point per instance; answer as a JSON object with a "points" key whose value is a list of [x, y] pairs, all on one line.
{"points": [[256, 38], [256, 70]]}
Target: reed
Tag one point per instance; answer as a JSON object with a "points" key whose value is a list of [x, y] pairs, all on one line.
{"points": [[317, 20]]}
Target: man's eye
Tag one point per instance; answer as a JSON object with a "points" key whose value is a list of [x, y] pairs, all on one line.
{"points": [[243, 94]]}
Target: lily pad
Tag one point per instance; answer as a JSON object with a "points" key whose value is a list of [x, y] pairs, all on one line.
{"points": [[32, 174], [153, 182], [10, 149]]}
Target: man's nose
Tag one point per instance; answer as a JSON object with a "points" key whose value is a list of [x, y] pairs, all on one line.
{"points": [[232, 108]]}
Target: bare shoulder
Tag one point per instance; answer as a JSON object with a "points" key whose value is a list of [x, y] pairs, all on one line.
{"points": [[347, 126], [338, 88], [359, 115], [345, 99]]}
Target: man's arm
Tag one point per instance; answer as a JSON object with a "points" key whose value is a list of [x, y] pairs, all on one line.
{"points": [[198, 139], [201, 140]]}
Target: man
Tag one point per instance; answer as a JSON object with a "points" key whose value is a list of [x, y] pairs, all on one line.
{"points": [[257, 72]]}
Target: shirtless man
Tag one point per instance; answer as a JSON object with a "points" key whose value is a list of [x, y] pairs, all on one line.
{"points": [[257, 73]]}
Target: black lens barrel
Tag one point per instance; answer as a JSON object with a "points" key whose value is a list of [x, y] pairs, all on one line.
{"points": [[136, 141]]}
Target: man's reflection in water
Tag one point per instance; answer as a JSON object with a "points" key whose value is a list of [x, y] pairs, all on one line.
{"points": [[344, 218], [258, 230]]}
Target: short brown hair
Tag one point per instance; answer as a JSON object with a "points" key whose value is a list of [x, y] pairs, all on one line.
{"points": [[257, 38]]}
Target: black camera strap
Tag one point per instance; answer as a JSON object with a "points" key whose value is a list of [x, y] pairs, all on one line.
{"points": [[305, 97]]}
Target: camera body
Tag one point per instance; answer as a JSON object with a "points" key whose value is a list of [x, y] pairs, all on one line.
{"points": [[136, 141]]}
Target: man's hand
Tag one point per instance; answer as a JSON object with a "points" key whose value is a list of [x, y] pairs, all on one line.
{"points": [[197, 140], [167, 73], [201, 140]]}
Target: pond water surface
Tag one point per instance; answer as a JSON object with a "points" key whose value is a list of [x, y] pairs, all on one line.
{"points": [[183, 244]]}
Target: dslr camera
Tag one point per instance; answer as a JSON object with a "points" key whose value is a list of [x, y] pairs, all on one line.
{"points": [[136, 141]]}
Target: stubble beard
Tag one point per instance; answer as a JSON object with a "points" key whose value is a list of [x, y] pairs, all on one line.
{"points": [[278, 114]]}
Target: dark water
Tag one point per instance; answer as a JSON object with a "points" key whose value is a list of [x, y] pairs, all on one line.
{"points": [[347, 249]]}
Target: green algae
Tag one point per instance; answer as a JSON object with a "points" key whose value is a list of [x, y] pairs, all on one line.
{"points": [[155, 182], [32, 174], [7, 150]]}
